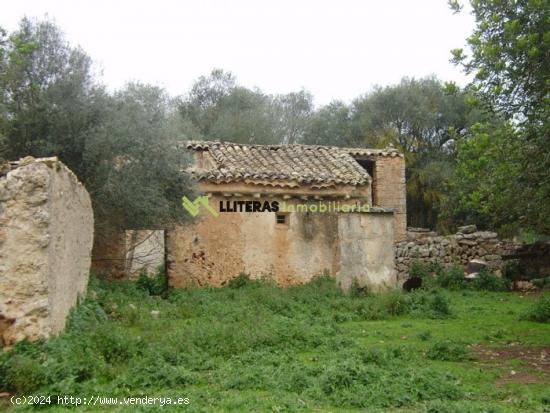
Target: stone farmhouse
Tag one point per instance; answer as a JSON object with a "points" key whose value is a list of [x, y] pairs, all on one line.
{"points": [[289, 213]]}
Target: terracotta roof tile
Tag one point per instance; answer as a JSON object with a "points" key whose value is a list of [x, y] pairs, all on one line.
{"points": [[284, 164]]}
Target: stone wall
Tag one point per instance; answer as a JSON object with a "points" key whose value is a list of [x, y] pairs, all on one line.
{"points": [[467, 244], [46, 235]]}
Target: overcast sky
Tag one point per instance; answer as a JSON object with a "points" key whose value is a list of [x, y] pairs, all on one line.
{"points": [[335, 49]]}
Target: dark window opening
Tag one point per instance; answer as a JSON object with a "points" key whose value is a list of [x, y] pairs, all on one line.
{"points": [[368, 165], [280, 218]]}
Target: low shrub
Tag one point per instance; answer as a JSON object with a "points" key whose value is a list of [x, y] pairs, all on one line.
{"points": [[540, 310], [512, 271], [154, 284], [452, 279], [393, 302], [20, 372], [429, 304], [542, 283], [427, 272], [244, 281], [420, 270], [485, 281], [447, 351], [425, 335]]}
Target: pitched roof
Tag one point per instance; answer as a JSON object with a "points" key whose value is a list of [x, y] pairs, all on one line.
{"points": [[282, 165]]}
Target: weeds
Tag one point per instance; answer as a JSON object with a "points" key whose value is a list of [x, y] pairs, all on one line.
{"points": [[433, 276], [429, 304], [485, 281], [540, 310], [254, 347], [452, 279], [447, 351], [154, 284]]}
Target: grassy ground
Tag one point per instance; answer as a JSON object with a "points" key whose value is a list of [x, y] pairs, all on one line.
{"points": [[254, 347]]}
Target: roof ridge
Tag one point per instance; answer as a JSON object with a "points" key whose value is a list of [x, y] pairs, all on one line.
{"points": [[193, 143]]}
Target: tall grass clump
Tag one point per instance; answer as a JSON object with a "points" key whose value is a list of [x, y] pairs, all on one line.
{"points": [[452, 278], [155, 284], [539, 310], [447, 351]]}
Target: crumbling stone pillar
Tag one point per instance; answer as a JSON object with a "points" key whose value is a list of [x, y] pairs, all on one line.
{"points": [[46, 235]]}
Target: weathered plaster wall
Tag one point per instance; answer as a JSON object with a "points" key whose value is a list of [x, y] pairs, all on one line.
{"points": [[214, 250], [367, 251], [46, 235], [389, 188]]}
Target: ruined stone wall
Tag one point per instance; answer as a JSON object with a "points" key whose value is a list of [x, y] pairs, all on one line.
{"points": [[389, 190], [467, 244], [213, 250], [46, 235]]}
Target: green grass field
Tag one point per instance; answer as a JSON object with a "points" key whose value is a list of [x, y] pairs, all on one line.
{"points": [[254, 347]]}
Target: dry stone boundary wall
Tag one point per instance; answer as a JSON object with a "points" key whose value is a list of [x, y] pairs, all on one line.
{"points": [[467, 244]]}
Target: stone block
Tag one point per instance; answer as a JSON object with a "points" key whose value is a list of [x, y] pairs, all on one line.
{"points": [[467, 229]]}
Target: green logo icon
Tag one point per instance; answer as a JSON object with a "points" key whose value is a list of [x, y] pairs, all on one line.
{"points": [[193, 206]]}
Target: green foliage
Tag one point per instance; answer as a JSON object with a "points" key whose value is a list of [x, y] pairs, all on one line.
{"points": [[428, 272], [543, 283], [217, 107], [425, 335], [393, 302], [429, 304], [120, 145], [420, 270], [540, 310], [485, 281], [453, 278], [489, 173], [512, 270], [425, 119], [241, 281], [509, 55], [155, 284], [447, 351], [510, 46], [256, 347], [349, 381]]}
